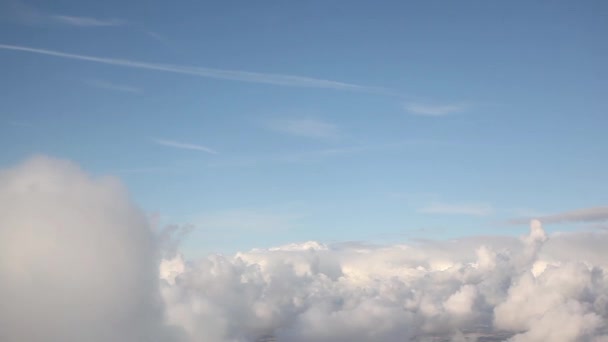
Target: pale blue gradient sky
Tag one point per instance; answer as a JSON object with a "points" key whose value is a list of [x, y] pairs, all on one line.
{"points": [[270, 122]]}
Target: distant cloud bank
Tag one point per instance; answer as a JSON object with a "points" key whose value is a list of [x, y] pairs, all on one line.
{"points": [[596, 214], [80, 262]]}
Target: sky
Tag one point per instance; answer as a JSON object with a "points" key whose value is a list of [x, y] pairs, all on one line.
{"points": [[324, 171], [264, 123]]}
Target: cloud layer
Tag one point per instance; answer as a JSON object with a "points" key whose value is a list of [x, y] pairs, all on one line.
{"points": [[78, 261], [478, 289]]}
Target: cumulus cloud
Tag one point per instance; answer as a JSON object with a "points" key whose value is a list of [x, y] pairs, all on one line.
{"points": [[504, 289], [79, 262]]}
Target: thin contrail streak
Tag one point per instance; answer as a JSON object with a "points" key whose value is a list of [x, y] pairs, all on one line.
{"points": [[234, 75]]}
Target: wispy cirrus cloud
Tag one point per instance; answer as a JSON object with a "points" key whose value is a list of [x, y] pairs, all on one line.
{"points": [[184, 145], [86, 21], [28, 14], [114, 86], [585, 215], [308, 128], [232, 75], [434, 109], [469, 209]]}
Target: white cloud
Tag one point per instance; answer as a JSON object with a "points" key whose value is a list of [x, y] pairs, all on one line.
{"points": [[77, 259], [308, 128], [461, 302], [79, 262], [434, 110], [471, 209], [184, 146], [233, 75], [429, 291]]}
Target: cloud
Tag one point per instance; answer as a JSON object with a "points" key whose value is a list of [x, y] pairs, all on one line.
{"points": [[184, 146], [471, 209], [503, 289], [233, 75], [595, 214], [31, 15], [308, 128], [434, 110], [114, 86], [86, 21], [78, 261]]}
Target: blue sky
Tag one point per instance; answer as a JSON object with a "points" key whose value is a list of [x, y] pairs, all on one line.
{"points": [[268, 122]]}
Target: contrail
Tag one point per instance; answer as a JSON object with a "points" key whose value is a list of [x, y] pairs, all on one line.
{"points": [[233, 75]]}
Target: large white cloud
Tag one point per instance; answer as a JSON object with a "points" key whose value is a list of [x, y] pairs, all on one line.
{"points": [[79, 262]]}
